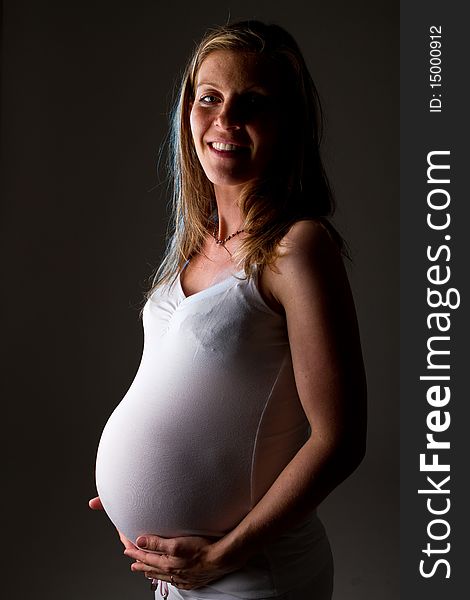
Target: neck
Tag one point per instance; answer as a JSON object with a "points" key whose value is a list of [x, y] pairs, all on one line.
{"points": [[230, 218]]}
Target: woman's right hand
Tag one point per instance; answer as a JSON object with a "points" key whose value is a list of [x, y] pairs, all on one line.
{"points": [[95, 504]]}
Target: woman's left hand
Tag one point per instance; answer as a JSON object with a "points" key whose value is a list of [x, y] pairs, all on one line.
{"points": [[186, 562]]}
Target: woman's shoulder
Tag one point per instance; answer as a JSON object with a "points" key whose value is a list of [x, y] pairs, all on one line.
{"points": [[307, 236], [308, 256]]}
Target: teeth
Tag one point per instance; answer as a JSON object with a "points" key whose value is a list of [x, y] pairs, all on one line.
{"points": [[228, 147]]}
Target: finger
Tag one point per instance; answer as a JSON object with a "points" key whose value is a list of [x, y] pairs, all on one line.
{"points": [[138, 567], [167, 546], [153, 543], [95, 503], [162, 563], [150, 573], [152, 560], [126, 542]]}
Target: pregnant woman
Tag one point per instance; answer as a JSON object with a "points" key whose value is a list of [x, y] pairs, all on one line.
{"points": [[248, 407]]}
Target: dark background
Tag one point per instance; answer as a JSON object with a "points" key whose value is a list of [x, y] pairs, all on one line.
{"points": [[86, 89]]}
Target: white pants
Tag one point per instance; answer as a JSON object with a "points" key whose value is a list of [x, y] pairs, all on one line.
{"points": [[318, 588]]}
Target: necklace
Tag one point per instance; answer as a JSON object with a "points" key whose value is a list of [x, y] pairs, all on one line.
{"points": [[225, 240]]}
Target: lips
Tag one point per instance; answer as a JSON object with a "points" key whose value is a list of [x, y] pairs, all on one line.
{"points": [[227, 148]]}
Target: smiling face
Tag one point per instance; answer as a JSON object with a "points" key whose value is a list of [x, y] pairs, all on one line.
{"points": [[235, 116]]}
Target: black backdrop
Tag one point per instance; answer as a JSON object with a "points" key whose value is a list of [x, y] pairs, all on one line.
{"points": [[86, 88]]}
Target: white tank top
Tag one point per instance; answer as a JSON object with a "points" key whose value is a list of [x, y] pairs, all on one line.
{"points": [[210, 420]]}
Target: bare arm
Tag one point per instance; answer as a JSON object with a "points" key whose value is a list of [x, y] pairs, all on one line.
{"points": [[312, 287]]}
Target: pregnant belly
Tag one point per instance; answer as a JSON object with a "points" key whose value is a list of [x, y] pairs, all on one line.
{"points": [[178, 465]]}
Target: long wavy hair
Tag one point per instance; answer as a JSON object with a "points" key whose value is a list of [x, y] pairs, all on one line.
{"points": [[296, 186]]}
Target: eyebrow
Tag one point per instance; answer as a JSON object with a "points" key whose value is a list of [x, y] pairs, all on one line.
{"points": [[255, 86], [206, 83]]}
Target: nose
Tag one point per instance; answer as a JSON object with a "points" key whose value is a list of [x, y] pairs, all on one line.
{"points": [[229, 116]]}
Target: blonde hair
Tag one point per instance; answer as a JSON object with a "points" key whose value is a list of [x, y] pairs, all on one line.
{"points": [[298, 190]]}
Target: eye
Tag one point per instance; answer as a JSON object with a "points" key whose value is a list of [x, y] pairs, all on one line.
{"points": [[208, 99], [253, 98], [256, 101]]}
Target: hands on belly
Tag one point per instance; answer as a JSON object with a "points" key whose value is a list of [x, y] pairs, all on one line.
{"points": [[186, 562]]}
